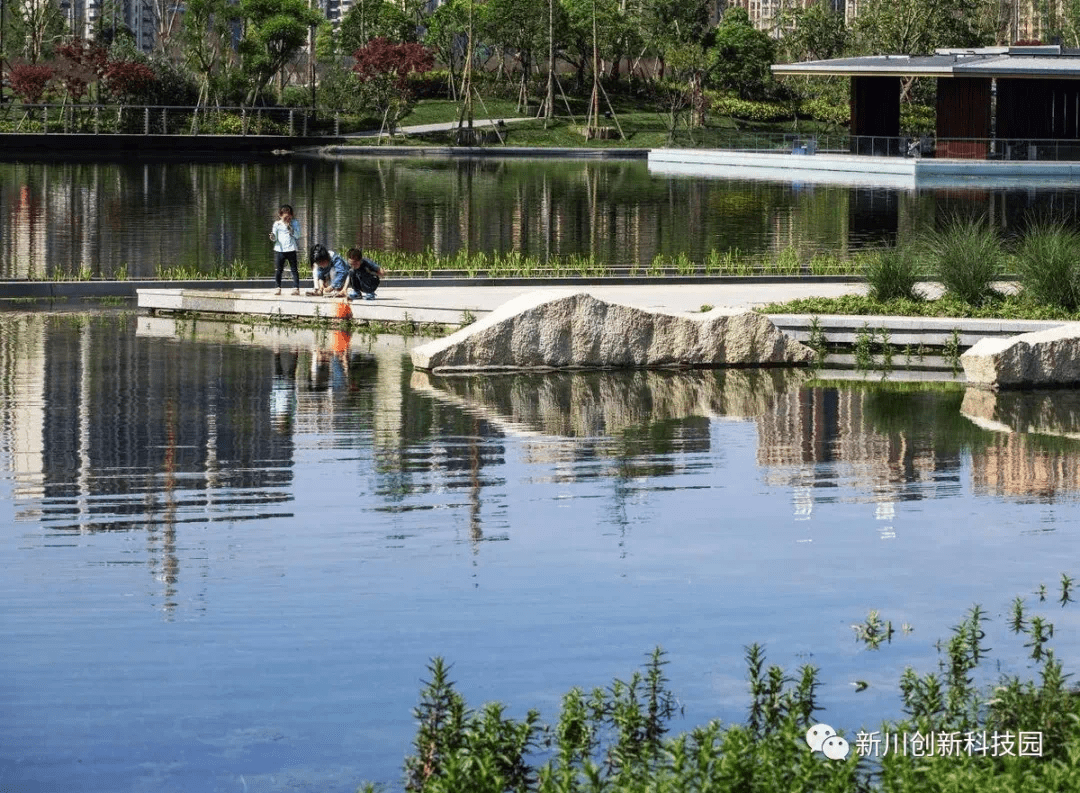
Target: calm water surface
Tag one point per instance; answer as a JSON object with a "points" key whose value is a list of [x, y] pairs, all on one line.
{"points": [[137, 216], [229, 554]]}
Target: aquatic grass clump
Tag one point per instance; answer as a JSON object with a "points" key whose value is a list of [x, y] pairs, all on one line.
{"points": [[617, 739], [892, 274], [966, 256], [1048, 263]]}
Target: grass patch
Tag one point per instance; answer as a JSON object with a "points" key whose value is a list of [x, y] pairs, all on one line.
{"points": [[643, 126], [1000, 307]]}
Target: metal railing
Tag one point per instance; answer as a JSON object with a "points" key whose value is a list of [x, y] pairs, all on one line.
{"points": [[111, 119], [1049, 149]]}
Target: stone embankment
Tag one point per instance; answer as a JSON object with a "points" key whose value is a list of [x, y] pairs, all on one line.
{"points": [[574, 330]]}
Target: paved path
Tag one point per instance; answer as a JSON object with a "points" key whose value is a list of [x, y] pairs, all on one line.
{"points": [[665, 297], [447, 304], [419, 129]]}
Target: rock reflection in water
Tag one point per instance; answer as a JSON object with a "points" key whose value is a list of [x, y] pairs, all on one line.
{"points": [[1032, 451], [596, 404]]}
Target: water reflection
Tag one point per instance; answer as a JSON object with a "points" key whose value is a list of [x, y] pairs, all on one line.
{"points": [[304, 500], [1033, 451], [134, 217]]}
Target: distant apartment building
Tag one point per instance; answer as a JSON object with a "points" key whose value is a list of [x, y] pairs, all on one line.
{"points": [[146, 19], [768, 15]]}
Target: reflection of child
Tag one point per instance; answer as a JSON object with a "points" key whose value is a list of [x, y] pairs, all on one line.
{"points": [[364, 275], [283, 390], [285, 233]]}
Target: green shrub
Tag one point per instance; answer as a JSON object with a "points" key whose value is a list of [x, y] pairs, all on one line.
{"points": [[1048, 263], [966, 257], [750, 111], [824, 110], [917, 119], [892, 274], [430, 85]]}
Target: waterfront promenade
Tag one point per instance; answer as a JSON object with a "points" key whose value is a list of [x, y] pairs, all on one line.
{"points": [[456, 305], [447, 304]]}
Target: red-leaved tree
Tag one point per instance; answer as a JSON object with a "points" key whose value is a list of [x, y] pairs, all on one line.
{"points": [[381, 58], [29, 81], [78, 64], [383, 70], [128, 81]]}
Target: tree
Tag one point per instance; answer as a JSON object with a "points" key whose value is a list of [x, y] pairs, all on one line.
{"points": [[30, 81], [742, 56], [518, 27], [815, 33], [372, 19], [79, 64], [383, 69], [204, 38], [128, 82], [274, 31], [37, 24], [615, 30], [444, 31], [918, 27]]}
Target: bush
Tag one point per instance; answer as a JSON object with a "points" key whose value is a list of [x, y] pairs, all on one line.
{"points": [[966, 257], [431, 85], [172, 85], [823, 110], [750, 111], [1048, 263], [297, 96], [917, 119], [29, 82], [892, 274]]}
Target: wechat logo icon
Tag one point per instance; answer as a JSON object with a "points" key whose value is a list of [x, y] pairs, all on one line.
{"points": [[823, 738]]}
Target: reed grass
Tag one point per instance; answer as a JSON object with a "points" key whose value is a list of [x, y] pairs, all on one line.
{"points": [[967, 257], [1048, 264], [892, 274]]}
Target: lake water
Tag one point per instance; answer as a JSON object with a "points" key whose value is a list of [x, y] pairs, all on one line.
{"points": [[135, 217], [230, 552]]}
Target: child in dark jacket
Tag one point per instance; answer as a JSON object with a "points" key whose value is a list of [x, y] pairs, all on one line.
{"points": [[364, 275]]}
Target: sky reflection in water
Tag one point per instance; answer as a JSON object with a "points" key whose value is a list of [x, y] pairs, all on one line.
{"points": [[231, 553]]}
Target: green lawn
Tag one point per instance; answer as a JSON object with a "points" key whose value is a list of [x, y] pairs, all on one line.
{"points": [[642, 127]]}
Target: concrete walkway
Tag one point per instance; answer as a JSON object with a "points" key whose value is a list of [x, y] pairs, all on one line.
{"points": [[444, 126], [448, 304], [453, 305]]}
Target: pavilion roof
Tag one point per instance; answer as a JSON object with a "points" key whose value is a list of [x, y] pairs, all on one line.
{"points": [[1017, 61]]}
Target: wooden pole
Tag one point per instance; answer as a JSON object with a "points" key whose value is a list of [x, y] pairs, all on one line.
{"points": [[549, 103]]}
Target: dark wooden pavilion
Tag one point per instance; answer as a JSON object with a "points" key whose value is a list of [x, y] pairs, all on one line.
{"points": [[1023, 97]]}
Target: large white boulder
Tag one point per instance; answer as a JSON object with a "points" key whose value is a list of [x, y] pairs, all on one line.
{"points": [[1043, 358], [574, 330]]}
